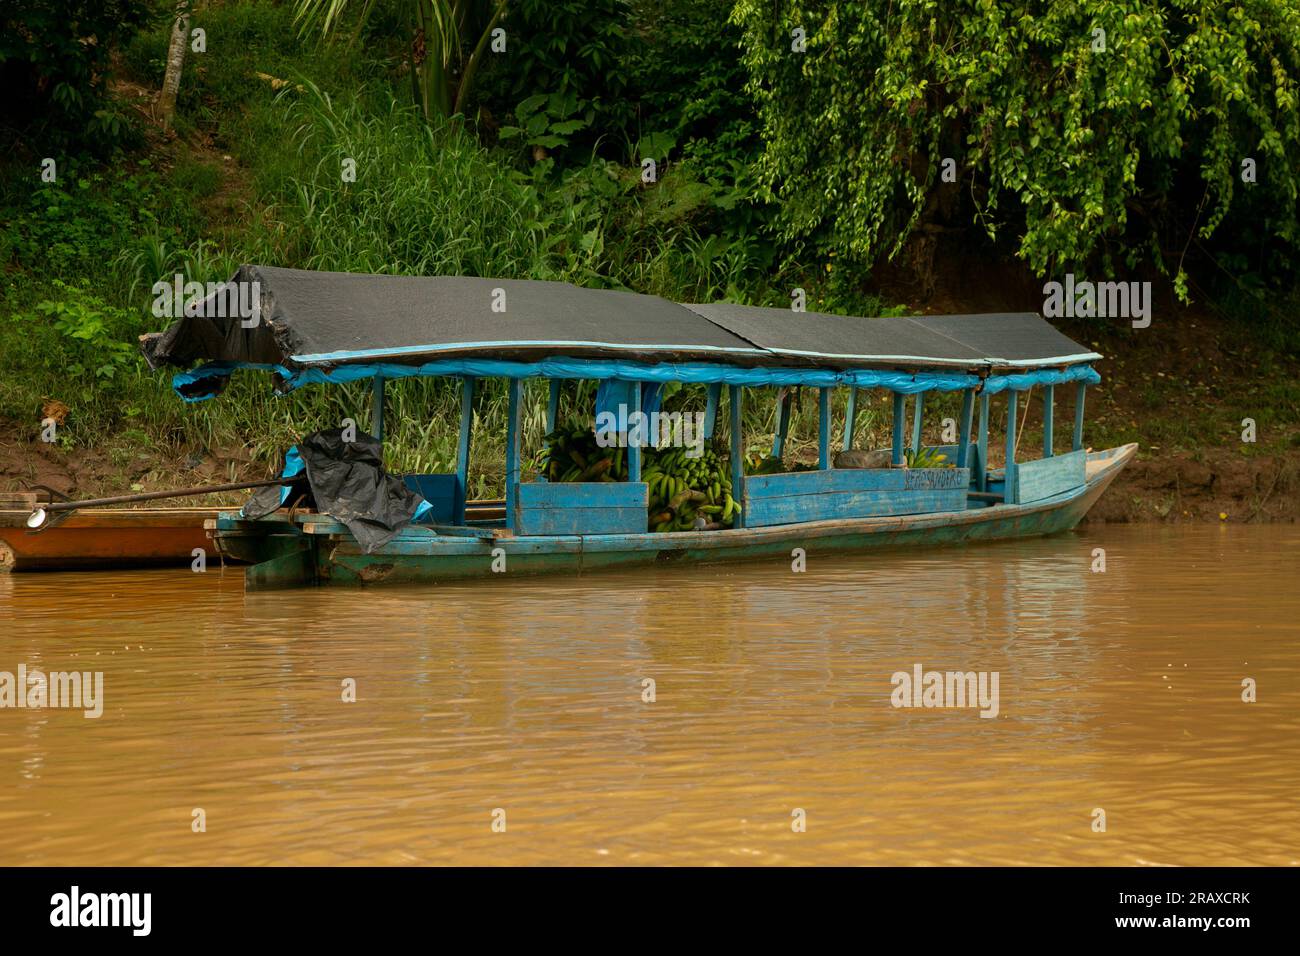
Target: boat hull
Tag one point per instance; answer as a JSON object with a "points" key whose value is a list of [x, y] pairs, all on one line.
{"points": [[96, 540], [321, 552]]}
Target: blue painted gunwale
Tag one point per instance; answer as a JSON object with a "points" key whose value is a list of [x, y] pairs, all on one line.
{"points": [[419, 556]]}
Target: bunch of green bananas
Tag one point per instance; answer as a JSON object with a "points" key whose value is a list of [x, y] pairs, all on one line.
{"points": [[573, 454], [926, 458], [688, 493]]}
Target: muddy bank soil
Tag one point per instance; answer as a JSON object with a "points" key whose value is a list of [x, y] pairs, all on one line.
{"points": [[117, 468], [1213, 485]]}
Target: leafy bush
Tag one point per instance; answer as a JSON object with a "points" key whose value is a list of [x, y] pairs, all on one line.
{"points": [[1129, 152], [79, 224], [576, 53], [689, 81], [548, 120], [92, 335], [53, 61], [74, 347], [689, 85]]}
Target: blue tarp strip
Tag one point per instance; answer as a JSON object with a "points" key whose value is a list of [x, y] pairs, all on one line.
{"points": [[293, 467], [1023, 381], [611, 394], [214, 371], [651, 397], [694, 372]]}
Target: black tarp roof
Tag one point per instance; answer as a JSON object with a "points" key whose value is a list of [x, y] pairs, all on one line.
{"points": [[336, 318], [962, 341]]}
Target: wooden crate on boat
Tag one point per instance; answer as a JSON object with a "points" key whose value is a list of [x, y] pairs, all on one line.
{"points": [[581, 508], [852, 493]]}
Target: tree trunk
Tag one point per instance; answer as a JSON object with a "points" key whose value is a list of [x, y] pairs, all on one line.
{"points": [[471, 65], [175, 62]]}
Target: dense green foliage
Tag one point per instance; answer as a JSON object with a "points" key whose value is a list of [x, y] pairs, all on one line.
{"points": [[444, 41], [54, 57], [690, 84], [1075, 150], [569, 58], [428, 198], [770, 166]]}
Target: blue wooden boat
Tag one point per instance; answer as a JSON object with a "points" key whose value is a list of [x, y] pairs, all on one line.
{"points": [[319, 328]]}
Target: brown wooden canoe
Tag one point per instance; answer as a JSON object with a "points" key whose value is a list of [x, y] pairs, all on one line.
{"points": [[103, 538]]}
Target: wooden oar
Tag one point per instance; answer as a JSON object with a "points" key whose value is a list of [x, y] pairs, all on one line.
{"points": [[37, 520]]}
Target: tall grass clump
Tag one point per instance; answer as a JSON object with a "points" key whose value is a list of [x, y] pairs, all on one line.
{"points": [[379, 190], [428, 199]]}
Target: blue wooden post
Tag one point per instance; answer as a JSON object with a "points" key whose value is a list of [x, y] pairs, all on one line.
{"points": [[782, 424], [462, 447], [916, 421], [1009, 488], [515, 389], [737, 450], [823, 428], [983, 463], [635, 432], [1049, 399], [1078, 416], [711, 409], [899, 410], [377, 407], [553, 406], [963, 428], [850, 418]]}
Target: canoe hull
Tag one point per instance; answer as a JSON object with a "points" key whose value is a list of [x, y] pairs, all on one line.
{"points": [[327, 555], [98, 540]]}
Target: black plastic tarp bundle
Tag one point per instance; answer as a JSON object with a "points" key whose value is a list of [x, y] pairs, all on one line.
{"points": [[345, 480]]}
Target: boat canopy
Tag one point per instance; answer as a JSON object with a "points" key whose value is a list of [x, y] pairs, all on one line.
{"points": [[313, 326], [967, 342]]}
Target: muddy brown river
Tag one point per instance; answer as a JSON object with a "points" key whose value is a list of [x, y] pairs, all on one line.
{"points": [[511, 720]]}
